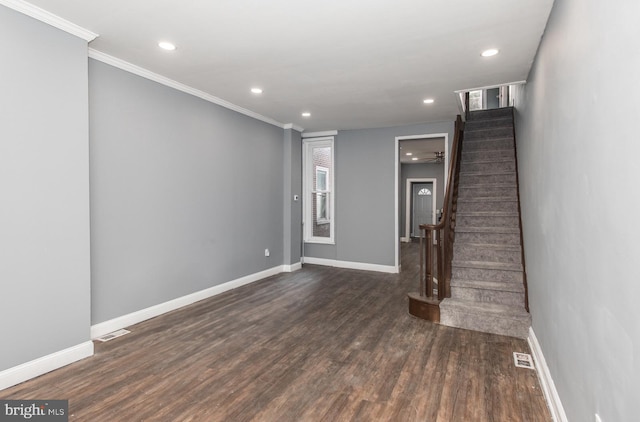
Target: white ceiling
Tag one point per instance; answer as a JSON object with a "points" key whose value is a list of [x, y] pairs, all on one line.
{"points": [[351, 63], [422, 149]]}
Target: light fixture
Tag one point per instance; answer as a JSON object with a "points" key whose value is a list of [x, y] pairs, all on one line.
{"points": [[409, 153], [306, 114], [166, 46], [256, 90], [490, 52], [414, 159], [428, 101]]}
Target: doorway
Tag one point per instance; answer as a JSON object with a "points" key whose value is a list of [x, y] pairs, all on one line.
{"points": [[420, 208], [405, 153]]}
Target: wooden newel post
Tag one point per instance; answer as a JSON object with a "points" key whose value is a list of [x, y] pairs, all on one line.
{"points": [[429, 266], [440, 260], [421, 287]]}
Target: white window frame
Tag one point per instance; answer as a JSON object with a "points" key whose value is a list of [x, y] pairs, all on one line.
{"points": [[308, 189]]}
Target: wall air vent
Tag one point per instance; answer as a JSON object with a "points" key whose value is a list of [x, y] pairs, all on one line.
{"points": [[523, 360], [113, 335]]}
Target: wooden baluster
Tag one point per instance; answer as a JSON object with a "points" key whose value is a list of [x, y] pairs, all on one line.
{"points": [[440, 258], [422, 278], [429, 258]]}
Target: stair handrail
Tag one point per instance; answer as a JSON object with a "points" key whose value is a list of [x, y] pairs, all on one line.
{"points": [[444, 230]]}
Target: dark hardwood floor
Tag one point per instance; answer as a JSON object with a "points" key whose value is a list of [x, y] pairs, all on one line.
{"points": [[320, 344]]}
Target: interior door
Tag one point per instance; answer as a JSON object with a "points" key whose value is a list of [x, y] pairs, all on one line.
{"points": [[422, 208]]}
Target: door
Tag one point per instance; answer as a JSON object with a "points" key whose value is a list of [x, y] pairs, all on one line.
{"points": [[422, 210]]}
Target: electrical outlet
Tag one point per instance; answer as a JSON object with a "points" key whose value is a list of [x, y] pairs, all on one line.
{"points": [[266, 252]]}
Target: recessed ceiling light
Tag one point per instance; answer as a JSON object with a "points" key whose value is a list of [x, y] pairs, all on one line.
{"points": [[256, 90], [414, 159], [428, 101], [409, 153], [166, 46], [306, 114], [490, 52]]}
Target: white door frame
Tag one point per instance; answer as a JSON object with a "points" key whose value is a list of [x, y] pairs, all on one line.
{"points": [[396, 157], [409, 196]]}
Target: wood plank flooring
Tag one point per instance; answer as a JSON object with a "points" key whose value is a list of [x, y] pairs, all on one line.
{"points": [[319, 344]]}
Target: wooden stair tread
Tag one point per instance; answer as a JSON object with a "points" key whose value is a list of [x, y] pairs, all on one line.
{"points": [[488, 213], [488, 265], [502, 230], [505, 286], [489, 199], [487, 308], [487, 173], [496, 246]]}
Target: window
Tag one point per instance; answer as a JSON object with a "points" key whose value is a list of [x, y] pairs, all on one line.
{"points": [[475, 100], [321, 191], [318, 183], [424, 192]]}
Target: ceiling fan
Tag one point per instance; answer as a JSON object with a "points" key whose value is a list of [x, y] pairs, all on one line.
{"points": [[437, 159]]}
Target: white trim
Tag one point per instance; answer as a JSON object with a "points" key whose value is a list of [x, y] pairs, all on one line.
{"points": [[396, 195], [308, 188], [405, 239], [292, 126], [397, 180], [50, 19], [548, 386], [137, 70], [490, 86], [171, 305], [291, 268], [48, 363], [352, 265], [320, 134], [409, 196]]}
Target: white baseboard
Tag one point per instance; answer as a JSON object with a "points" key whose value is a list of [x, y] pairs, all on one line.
{"points": [[548, 387], [123, 321], [48, 363], [405, 239], [352, 265], [291, 268]]}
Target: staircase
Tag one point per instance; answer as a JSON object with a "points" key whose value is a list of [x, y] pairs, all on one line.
{"points": [[487, 276]]}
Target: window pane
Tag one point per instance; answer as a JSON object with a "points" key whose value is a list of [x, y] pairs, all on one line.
{"points": [[475, 100], [321, 222], [321, 179]]}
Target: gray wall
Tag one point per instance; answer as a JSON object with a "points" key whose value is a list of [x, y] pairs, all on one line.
{"points": [[412, 171], [292, 186], [185, 194], [44, 180], [577, 139], [365, 202]]}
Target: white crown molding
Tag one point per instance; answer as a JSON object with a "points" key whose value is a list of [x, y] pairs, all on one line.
{"points": [[127, 320], [319, 134], [49, 18], [548, 386], [293, 126], [351, 265], [40, 366], [140, 71]]}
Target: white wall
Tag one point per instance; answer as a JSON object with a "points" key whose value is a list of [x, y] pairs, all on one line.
{"points": [[44, 190], [185, 194], [365, 193], [578, 149]]}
